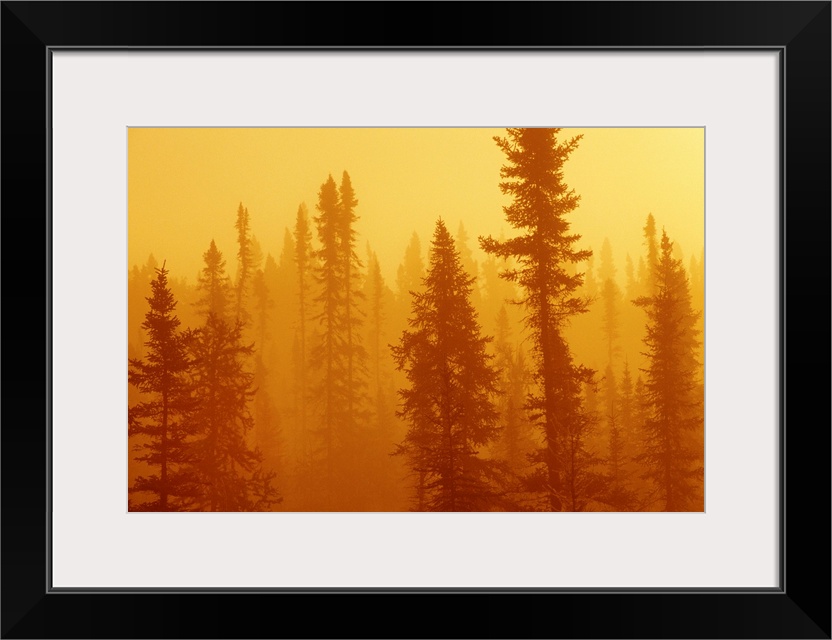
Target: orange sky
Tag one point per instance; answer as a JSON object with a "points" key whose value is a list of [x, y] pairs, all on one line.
{"points": [[185, 185]]}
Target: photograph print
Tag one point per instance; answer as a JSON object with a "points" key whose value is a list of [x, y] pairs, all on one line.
{"points": [[416, 319]]}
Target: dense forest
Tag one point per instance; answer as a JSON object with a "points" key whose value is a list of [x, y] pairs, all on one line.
{"points": [[544, 377]]}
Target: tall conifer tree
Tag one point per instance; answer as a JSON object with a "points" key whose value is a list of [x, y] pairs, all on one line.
{"points": [[545, 254], [672, 398], [244, 260], [163, 421], [448, 401], [229, 470]]}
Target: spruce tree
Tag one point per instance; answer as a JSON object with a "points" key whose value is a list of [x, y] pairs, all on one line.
{"points": [[448, 400], [672, 398], [163, 422], [325, 357], [545, 255], [213, 284], [353, 316], [230, 472], [304, 261], [648, 275], [466, 257], [411, 270], [245, 265], [515, 441]]}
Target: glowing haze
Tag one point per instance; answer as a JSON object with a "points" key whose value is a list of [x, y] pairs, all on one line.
{"points": [[185, 186]]}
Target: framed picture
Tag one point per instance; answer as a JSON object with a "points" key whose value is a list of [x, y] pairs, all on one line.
{"points": [[754, 77]]}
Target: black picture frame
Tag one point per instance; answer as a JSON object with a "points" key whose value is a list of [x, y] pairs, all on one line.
{"points": [[800, 608]]}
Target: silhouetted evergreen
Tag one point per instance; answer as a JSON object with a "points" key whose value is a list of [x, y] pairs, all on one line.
{"points": [[304, 261], [353, 316], [213, 284], [339, 358], [164, 421], [545, 254], [515, 441], [671, 395], [448, 401], [230, 471], [245, 268], [411, 271]]}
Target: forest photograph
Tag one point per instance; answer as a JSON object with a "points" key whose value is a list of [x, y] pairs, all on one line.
{"points": [[416, 320]]}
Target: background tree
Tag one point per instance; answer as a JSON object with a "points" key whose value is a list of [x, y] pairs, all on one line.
{"points": [[448, 401], [515, 440], [213, 284], [353, 316], [164, 420], [545, 255], [647, 274], [610, 297], [326, 357], [230, 471], [466, 257], [304, 261], [671, 395], [245, 258]]}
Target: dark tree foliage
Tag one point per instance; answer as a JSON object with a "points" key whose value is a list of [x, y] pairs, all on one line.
{"points": [[331, 391], [163, 422], [339, 358], [671, 397], [230, 472], [448, 401], [544, 256], [353, 317]]}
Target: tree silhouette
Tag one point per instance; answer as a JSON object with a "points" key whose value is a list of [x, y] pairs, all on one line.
{"points": [[647, 269], [545, 255], [356, 354], [339, 357], [230, 472], [515, 441], [411, 270], [610, 296], [466, 258], [304, 261], [671, 395], [163, 421], [448, 402], [245, 258], [213, 284]]}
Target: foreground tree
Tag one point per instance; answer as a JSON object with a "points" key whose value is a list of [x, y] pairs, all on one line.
{"points": [[672, 398], [448, 401], [544, 256], [163, 422], [230, 472]]}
